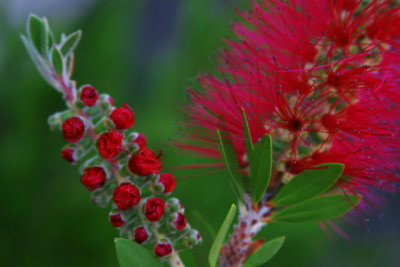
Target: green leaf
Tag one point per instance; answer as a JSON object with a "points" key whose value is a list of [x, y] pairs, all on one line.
{"points": [[247, 135], [317, 209], [131, 254], [37, 33], [229, 156], [220, 238], [57, 60], [70, 43], [265, 252], [260, 168], [308, 184]]}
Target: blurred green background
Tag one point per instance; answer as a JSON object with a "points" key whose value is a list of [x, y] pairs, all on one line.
{"points": [[144, 53]]}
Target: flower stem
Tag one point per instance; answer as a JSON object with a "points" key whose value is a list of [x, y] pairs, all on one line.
{"points": [[241, 245], [175, 260]]}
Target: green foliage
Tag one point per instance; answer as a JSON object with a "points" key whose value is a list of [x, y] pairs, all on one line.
{"points": [[57, 60], [37, 32], [220, 238], [70, 43], [265, 252], [260, 168], [308, 184], [131, 254], [228, 155], [247, 135], [317, 209]]}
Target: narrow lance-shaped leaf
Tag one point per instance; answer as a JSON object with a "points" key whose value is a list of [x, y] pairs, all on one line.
{"points": [[220, 238], [228, 155], [247, 135], [57, 60], [70, 43], [131, 254], [308, 184], [37, 34], [260, 168], [265, 252], [317, 209]]}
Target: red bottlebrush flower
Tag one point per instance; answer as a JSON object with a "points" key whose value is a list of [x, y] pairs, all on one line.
{"points": [[162, 249], [145, 162], [154, 209], [68, 154], [89, 95], [93, 178], [73, 129], [116, 219], [123, 118], [168, 181], [179, 221], [141, 234], [303, 72], [126, 196], [110, 145]]}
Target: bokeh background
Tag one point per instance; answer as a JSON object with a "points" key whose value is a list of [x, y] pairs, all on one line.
{"points": [[144, 53]]}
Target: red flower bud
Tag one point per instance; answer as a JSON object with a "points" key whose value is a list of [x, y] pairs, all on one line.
{"points": [[68, 154], [73, 129], [162, 249], [93, 178], [145, 162], [180, 221], [141, 235], [116, 219], [140, 140], [168, 181], [110, 145], [154, 209], [126, 196], [89, 95], [123, 118]]}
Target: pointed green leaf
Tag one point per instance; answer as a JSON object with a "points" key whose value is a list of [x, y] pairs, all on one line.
{"points": [[260, 168], [131, 254], [37, 33], [220, 238], [70, 43], [247, 135], [308, 184], [317, 209], [57, 60], [265, 252], [228, 155]]}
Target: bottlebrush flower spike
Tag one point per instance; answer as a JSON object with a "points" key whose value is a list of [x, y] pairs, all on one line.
{"points": [[93, 126], [321, 77], [312, 75]]}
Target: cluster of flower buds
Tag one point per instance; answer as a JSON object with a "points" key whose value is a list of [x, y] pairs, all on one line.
{"points": [[117, 166]]}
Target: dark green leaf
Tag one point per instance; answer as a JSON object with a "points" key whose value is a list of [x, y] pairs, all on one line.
{"points": [[229, 156], [70, 43], [308, 184], [260, 168], [317, 209], [220, 238], [247, 135], [37, 33], [131, 254], [265, 252], [57, 60]]}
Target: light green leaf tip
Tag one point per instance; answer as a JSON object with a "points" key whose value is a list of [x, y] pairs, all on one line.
{"points": [[220, 238]]}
